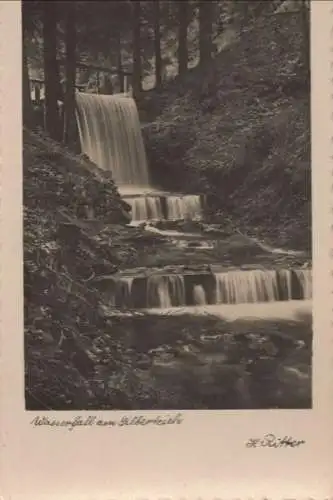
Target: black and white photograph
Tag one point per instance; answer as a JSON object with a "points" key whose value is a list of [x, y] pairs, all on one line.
{"points": [[167, 205]]}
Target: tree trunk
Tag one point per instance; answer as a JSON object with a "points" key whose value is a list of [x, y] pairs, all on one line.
{"points": [[243, 10], [157, 41], [205, 30], [98, 83], [120, 65], [69, 104], [51, 69], [107, 87], [137, 67], [27, 104], [305, 8], [182, 37], [37, 94]]}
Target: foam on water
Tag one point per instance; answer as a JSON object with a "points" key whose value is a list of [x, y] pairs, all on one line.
{"points": [[288, 310]]}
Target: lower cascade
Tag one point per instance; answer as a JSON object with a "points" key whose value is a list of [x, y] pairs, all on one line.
{"points": [[166, 291], [236, 287], [229, 287], [305, 279]]}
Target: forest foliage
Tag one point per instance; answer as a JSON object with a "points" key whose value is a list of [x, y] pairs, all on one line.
{"points": [[238, 131], [98, 45]]}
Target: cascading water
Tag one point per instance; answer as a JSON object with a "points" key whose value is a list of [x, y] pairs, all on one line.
{"points": [[184, 207], [110, 135], [177, 207], [177, 290], [305, 280], [236, 287], [146, 208], [122, 291], [286, 282], [199, 295], [165, 291], [230, 287]]}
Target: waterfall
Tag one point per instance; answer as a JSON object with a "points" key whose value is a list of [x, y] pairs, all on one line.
{"points": [[149, 207], [184, 207], [145, 208], [229, 287], [286, 283], [304, 277], [177, 287], [236, 287], [110, 135], [158, 294], [122, 292], [165, 291], [199, 295]]}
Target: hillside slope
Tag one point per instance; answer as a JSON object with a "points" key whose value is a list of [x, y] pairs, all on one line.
{"points": [[238, 130], [74, 231]]}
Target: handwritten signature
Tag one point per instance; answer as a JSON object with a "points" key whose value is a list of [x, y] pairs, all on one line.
{"points": [[272, 441]]}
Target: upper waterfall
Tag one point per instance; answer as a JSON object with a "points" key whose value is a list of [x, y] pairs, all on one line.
{"points": [[110, 135]]}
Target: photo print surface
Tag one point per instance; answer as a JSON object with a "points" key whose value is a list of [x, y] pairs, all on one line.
{"points": [[167, 205]]}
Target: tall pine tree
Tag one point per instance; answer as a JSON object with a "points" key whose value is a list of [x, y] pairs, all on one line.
{"points": [[51, 71], [69, 104], [182, 37], [137, 66], [157, 43], [205, 30]]}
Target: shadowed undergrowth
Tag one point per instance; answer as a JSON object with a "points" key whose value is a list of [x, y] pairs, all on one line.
{"points": [[238, 131]]}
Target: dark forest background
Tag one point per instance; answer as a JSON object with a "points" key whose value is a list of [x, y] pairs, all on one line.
{"points": [[99, 46]]}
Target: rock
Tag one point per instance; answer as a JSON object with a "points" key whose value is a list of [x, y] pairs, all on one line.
{"points": [[252, 267], [210, 338]]}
